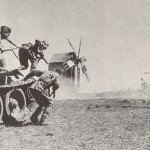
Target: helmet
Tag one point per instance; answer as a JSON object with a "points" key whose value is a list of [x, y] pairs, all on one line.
{"points": [[5, 32], [42, 44]]}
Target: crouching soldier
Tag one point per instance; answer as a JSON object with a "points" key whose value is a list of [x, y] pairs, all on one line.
{"points": [[39, 92]]}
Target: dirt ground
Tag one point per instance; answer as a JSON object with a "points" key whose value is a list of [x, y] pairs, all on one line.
{"points": [[94, 124]]}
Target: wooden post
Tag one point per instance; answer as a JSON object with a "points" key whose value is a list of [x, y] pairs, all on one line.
{"points": [[77, 79], [72, 79]]}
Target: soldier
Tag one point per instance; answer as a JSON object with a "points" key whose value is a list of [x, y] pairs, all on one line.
{"points": [[4, 34], [32, 52], [144, 84], [39, 90]]}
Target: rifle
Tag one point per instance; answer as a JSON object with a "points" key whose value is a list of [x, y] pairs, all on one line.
{"points": [[53, 93], [12, 49], [43, 59], [9, 49]]}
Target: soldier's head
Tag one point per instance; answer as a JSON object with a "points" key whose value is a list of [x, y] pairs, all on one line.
{"points": [[60, 71], [41, 44], [5, 32]]}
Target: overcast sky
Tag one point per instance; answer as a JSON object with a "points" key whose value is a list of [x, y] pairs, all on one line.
{"points": [[116, 35]]}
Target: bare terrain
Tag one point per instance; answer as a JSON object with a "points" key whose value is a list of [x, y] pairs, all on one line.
{"points": [[92, 122]]}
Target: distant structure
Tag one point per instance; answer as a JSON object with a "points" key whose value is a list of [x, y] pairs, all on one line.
{"points": [[71, 77], [72, 63]]}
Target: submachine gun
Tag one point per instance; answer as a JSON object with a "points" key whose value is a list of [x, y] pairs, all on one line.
{"points": [[4, 34]]}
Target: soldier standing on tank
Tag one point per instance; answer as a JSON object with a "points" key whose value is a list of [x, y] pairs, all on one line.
{"points": [[4, 34], [33, 53], [5, 72]]}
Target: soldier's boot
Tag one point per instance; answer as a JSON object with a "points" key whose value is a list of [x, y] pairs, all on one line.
{"points": [[35, 115], [46, 113]]}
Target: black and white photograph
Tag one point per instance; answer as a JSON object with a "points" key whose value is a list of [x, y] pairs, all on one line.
{"points": [[74, 75]]}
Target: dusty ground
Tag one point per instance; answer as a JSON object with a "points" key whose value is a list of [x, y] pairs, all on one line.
{"points": [[94, 124]]}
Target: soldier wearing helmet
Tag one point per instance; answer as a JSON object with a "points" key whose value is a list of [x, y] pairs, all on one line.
{"points": [[39, 90], [32, 52], [5, 32]]}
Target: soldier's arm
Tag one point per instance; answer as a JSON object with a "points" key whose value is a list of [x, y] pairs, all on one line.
{"points": [[38, 56], [33, 73], [34, 63], [55, 87]]}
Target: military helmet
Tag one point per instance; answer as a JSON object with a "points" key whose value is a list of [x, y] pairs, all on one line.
{"points": [[42, 44], [5, 32]]}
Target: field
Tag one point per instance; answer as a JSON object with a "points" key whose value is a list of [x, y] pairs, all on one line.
{"points": [[93, 122]]}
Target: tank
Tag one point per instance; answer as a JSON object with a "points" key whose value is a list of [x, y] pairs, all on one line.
{"points": [[14, 100]]}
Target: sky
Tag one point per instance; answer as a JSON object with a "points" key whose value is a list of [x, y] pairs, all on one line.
{"points": [[116, 36]]}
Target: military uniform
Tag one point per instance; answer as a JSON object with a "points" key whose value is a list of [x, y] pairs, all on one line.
{"points": [[4, 34], [39, 90], [31, 52]]}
